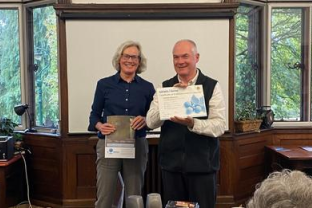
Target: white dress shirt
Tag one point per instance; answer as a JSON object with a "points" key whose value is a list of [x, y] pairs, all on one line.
{"points": [[213, 126]]}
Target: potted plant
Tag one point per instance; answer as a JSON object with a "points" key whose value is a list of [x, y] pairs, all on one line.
{"points": [[7, 127], [247, 118]]}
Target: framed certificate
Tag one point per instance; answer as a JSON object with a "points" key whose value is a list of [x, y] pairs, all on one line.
{"points": [[182, 102], [121, 143]]}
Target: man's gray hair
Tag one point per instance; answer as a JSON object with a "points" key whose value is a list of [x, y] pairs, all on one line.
{"points": [[120, 50], [191, 42], [285, 189]]}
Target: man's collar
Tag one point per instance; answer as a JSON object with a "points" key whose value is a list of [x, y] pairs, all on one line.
{"points": [[192, 81]]}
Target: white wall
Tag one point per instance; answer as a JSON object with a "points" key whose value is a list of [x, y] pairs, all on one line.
{"points": [[92, 43]]}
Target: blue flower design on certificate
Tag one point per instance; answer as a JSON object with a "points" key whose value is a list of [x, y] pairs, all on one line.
{"points": [[196, 105]]}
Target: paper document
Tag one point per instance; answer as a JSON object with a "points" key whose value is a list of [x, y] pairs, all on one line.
{"points": [[121, 143], [281, 149], [182, 102], [307, 148]]}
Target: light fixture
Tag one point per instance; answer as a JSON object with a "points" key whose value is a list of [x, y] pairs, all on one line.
{"points": [[20, 110]]}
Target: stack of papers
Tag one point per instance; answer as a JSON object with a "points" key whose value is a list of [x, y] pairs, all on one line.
{"points": [[282, 149], [307, 148]]}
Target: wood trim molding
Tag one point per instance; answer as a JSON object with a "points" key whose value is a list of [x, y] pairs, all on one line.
{"points": [[63, 85], [146, 11], [231, 89], [64, 1]]}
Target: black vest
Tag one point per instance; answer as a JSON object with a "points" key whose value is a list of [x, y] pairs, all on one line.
{"points": [[184, 151]]}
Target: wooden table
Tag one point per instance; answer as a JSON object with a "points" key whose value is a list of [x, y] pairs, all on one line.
{"points": [[11, 181], [290, 156]]}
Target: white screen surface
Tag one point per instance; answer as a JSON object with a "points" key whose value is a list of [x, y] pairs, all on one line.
{"points": [[91, 45]]}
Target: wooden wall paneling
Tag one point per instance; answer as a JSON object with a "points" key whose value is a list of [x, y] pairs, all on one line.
{"points": [[153, 182], [242, 166], [251, 153], [86, 176], [292, 136], [74, 183], [228, 166], [294, 141], [228, 172], [62, 170], [79, 160], [152, 174], [44, 167]]}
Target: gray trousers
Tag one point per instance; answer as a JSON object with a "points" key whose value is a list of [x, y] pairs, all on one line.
{"points": [[132, 171]]}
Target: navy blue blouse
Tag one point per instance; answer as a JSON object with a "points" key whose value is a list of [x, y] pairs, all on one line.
{"points": [[114, 96]]}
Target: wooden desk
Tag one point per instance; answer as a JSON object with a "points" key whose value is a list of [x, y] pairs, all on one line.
{"points": [[11, 181], [292, 157]]}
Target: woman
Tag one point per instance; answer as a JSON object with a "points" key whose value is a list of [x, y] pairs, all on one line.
{"points": [[124, 93]]}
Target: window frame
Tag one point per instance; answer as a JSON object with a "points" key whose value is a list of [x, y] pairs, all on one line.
{"points": [[29, 62], [306, 53], [260, 51], [23, 85]]}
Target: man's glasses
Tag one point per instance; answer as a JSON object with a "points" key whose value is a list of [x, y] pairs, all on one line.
{"points": [[128, 57]]}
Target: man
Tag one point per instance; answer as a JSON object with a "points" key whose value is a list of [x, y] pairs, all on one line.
{"points": [[189, 147]]}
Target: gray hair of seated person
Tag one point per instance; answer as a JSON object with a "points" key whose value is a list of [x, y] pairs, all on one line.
{"points": [[285, 189], [117, 56]]}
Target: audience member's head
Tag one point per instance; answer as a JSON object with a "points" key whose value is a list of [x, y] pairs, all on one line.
{"points": [[286, 189]]}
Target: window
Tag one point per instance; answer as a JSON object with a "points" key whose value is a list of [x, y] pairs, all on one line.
{"points": [[282, 78], [10, 63], [247, 56], [43, 65], [287, 64]]}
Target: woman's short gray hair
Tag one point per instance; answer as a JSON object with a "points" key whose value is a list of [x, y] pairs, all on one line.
{"points": [[285, 189], [120, 50]]}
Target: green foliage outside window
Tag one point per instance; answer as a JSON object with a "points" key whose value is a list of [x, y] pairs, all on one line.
{"points": [[285, 52], [45, 57], [246, 65], [286, 80], [10, 74]]}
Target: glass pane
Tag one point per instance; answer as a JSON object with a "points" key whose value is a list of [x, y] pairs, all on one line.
{"points": [[10, 76], [46, 74], [286, 38], [247, 57]]}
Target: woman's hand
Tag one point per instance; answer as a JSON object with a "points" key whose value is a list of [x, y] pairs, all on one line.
{"points": [[105, 128], [138, 123]]}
